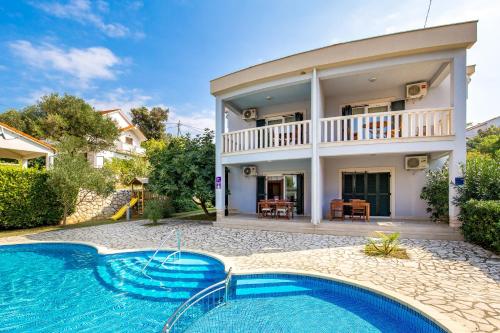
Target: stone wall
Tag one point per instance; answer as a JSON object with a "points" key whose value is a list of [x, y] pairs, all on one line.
{"points": [[98, 207]]}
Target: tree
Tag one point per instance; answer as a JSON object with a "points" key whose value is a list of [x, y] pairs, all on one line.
{"points": [[55, 117], [485, 142], [128, 168], [74, 180], [185, 168], [151, 122]]}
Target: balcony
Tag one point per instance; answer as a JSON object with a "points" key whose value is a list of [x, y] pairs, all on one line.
{"points": [[281, 136], [395, 125]]}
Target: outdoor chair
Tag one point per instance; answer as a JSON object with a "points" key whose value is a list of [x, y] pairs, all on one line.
{"points": [[282, 210], [265, 209], [337, 209], [358, 209]]}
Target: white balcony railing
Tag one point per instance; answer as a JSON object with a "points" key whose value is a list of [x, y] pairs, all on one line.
{"points": [[292, 134], [388, 125]]}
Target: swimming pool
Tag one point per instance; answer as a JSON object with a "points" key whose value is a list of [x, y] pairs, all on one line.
{"points": [[69, 287]]}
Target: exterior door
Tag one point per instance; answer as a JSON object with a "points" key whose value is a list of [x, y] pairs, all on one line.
{"points": [[275, 189], [372, 187]]}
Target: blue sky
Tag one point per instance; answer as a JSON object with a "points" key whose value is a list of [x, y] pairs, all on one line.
{"points": [[131, 53]]}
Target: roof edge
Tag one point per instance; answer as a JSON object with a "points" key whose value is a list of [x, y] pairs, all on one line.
{"points": [[29, 137], [467, 42]]}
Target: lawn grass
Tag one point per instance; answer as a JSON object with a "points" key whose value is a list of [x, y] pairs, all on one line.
{"points": [[200, 217]]}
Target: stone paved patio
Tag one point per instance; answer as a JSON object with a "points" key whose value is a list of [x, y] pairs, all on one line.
{"points": [[460, 280]]}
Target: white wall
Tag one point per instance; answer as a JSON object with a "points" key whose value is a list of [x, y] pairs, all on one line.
{"points": [[244, 189], [408, 184], [235, 123], [436, 97], [117, 117]]}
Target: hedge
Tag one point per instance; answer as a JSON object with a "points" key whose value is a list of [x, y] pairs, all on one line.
{"points": [[25, 199], [481, 223]]}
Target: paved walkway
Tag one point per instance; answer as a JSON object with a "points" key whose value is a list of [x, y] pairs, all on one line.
{"points": [[458, 279]]}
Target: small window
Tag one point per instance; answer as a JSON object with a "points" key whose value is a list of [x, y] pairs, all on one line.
{"points": [[129, 141], [377, 109], [358, 110]]}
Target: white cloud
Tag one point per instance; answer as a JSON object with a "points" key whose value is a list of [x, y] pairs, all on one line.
{"points": [[83, 12], [84, 64], [120, 98]]}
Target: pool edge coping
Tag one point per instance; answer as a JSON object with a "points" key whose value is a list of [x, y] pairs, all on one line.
{"points": [[428, 312]]}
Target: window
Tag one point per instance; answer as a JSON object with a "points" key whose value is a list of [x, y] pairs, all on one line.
{"points": [[369, 108], [289, 118], [99, 161], [129, 141]]}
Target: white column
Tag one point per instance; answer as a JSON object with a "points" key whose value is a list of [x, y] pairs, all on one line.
{"points": [[24, 163], [49, 161], [458, 101], [219, 168], [316, 195]]}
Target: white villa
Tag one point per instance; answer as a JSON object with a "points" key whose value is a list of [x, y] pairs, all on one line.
{"points": [[362, 119], [128, 143]]}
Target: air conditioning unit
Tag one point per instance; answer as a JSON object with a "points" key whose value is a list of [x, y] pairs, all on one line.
{"points": [[416, 90], [249, 114], [250, 170], [416, 162]]}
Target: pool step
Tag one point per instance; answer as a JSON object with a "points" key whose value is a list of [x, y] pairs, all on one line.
{"points": [[255, 287], [174, 282]]}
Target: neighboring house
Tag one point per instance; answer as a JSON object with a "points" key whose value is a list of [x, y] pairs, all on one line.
{"points": [[20, 146], [128, 143], [473, 130], [344, 121]]}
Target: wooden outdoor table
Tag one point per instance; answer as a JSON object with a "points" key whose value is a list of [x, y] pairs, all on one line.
{"points": [[366, 204], [273, 203]]}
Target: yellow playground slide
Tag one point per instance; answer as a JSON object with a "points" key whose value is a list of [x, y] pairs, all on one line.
{"points": [[123, 210]]}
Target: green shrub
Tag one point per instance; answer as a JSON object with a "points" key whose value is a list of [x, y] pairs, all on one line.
{"points": [[481, 223], [182, 205], [25, 199], [436, 193], [386, 245], [168, 208], [481, 180], [154, 210]]}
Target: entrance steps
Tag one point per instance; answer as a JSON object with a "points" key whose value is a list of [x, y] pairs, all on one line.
{"points": [[407, 229]]}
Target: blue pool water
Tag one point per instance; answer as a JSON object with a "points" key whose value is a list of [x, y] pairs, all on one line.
{"points": [[70, 288]]}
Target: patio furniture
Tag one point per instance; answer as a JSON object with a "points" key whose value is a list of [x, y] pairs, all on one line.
{"points": [[282, 209], [358, 203], [358, 208], [265, 209], [336, 209]]}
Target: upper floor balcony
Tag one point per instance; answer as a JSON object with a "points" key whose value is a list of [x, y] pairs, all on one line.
{"points": [[343, 110]]}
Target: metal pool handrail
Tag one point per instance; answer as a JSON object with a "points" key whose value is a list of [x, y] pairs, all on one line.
{"points": [[221, 285], [160, 246]]}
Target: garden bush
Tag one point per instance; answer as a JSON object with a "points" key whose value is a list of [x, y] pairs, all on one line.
{"points": [[154, 210], [436, 192], [481, 180], [26, 201], [182, 205], [481, 223]]}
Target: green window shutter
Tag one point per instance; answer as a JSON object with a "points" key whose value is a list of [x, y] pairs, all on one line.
{"points": [[300, 194]]}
